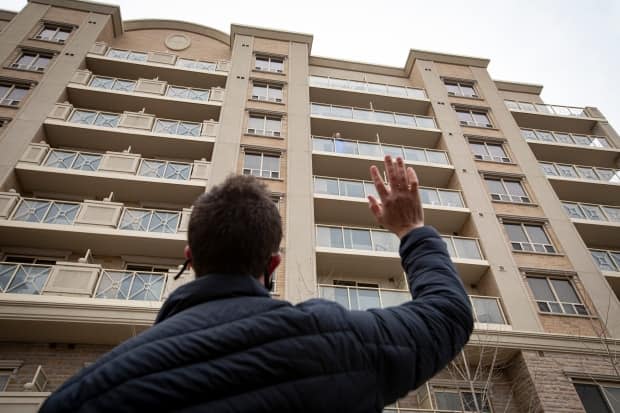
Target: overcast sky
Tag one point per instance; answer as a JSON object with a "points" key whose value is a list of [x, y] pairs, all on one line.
{"points": [[571, 47]]}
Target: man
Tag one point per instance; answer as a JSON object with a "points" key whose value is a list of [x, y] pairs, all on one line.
{"points": [[222, 344]]}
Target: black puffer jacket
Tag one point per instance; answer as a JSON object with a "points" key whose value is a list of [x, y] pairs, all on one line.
{"points": [[221, 344]]}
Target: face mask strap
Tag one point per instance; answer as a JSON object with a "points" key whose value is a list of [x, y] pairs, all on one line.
{"points": [[183, 268]]}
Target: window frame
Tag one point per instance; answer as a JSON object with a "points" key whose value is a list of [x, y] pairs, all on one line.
{"points": [[557, 301], [527, 199], [599, 386], [57, 27], [483, 396], [262, 159], [552, 251], [489, 157], [267, 96], [12, 87], [265, 117], [31, 66], [459, 84], [34, 259], [471, 111], [269, 58]]}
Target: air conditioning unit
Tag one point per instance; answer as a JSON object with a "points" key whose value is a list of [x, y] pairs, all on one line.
{"points": [[61, 41], [15, 65], [475, 96], [275, 133], [40, 69], [464, 123], [250, 130], [38, 37], [278, 100], [451, 94]]}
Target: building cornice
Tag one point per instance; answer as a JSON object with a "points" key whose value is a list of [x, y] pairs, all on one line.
{"points": [[7, 15], [454, 59], [144, 24], [265, 33], [518, 87], [89, 6], [356, 66]]}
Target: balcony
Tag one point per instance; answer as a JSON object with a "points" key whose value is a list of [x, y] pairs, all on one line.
{"points": [[352, 159], [146, 134], [392, 127], [109, 61], [355, 93], [339, 201], [609, 264], [163, 99], [570, 147], [112, 303], [583, 183], [597, 224], [131, 177], [110, 228], [487, 310], [366, 252], [553, 117]]}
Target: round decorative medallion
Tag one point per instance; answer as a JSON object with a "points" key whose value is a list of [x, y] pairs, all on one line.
{"points": [[177, 42]]}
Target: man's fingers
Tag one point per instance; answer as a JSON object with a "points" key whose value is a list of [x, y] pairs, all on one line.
{"points": [[391, 174], [378, 181], [375, 207], [400, 173], [412, 179]]}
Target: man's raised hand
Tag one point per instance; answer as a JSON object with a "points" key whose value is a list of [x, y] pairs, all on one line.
{"points": [[399, 208]]}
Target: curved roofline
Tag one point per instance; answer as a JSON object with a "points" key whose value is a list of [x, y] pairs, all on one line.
{"points": [[144, 24]]}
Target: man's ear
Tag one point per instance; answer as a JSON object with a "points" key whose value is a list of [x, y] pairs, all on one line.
{"points": [[274, 261], [187, 252]]}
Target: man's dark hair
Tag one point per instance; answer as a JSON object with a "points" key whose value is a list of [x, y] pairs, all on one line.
{"points": [[234, 228]]}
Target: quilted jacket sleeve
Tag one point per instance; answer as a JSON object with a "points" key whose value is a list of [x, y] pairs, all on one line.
{"points": [[412, 342]]}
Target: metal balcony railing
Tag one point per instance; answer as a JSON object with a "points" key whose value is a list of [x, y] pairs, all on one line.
{"points": [[126, 85], [18, 278], [592, 212], [546, 109], [367, 239], [84, 161], [361, 189], [583, 172], [375, 116], [378, 150], [606, 260], [143, 57], [65, 213], [565, 138], [486, 309], [111, 120], [368, 87]]}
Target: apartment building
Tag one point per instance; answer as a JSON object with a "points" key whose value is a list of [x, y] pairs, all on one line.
{"points": [[109, 130]]}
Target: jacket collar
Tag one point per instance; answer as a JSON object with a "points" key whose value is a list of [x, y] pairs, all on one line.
{"points": [[208, 288]]}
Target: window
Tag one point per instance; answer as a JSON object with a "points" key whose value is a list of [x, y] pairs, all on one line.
{"points": [[264, 125], [262, 165], [271, 93], [12, 95], [599, 398], [556, 295], [461, 401], [472, 117], [269, 64], [34, 61], [528, 237], [506, 190], [146, 268], [54, 33], [606, 260], [489, 151], [463, 89], [487, 310], [24, 259]]}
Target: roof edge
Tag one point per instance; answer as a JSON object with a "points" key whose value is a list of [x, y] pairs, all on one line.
{"points": [[90, 6], [415, 54], [142, 24], [296, 37], [7, 15], [356, 66], [518, 87]]}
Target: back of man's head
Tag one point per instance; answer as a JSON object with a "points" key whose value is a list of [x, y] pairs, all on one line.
{"points": [[234, 228]]}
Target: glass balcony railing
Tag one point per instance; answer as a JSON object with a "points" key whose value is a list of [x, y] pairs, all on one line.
{"points": [[367, 239], [143, 57], [486, 309], [361, 189], [84, 161], [65, 213], [367, 87], [126, 85], [375, 116], [592, 212], [116, 284], [590, 173], [546, 109], [111, 120], [378, 150], [565, 138], [606, 260]]}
